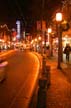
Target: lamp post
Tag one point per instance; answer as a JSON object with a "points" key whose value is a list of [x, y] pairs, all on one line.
{"points": [[59, 19], [50, 40], [49, 31]]}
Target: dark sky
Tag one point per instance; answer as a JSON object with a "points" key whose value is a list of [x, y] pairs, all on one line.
{"points": [[26, 10]]}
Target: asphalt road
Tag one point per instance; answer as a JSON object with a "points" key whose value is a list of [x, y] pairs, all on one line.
{"points": [[21, 74]]}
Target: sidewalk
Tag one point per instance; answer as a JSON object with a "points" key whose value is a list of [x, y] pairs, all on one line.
{"points": [[59, 92]]}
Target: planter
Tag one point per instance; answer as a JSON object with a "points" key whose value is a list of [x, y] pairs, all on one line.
{"points": [[2, 70]]}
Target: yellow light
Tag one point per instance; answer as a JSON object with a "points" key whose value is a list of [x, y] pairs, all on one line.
{"points": [[35, 40], [49, 30], [32, 41], [39, 38], [58, 17], [43, 42]]}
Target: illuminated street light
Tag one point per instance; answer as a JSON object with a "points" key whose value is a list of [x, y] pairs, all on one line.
{"points": [[35, 39], [39, 38], [49, 32], [59, 19], [50, 40]]}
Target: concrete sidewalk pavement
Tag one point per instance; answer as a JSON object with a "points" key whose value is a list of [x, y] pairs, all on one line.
{"points": [[59, 91]]}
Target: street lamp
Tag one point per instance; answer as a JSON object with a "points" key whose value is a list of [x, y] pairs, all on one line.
{"points": [[50, 40], [49, 32], [59, 19]]}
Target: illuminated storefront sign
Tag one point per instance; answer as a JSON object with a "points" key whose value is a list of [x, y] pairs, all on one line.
{"points": [[18, 29]]}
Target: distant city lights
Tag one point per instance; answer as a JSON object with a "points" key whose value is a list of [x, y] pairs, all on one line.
{"points": [[18, 29]]}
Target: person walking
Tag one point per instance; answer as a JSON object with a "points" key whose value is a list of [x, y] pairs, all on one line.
{"points": [[67, 51]]}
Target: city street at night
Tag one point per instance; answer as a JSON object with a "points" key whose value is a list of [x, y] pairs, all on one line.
{"points": [[35, 54], [21, 77]]}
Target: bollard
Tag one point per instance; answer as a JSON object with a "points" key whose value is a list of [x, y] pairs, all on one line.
{"points": [[42, 82], [48, 75], [46, 71], [41, 98], [48, 68], [41, 95], [43, 65]]}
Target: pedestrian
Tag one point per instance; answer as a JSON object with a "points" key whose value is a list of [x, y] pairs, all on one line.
{"points": [[67, 51]]}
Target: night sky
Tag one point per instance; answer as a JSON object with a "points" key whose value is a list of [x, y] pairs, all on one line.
{"points": [[26, 10]]}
